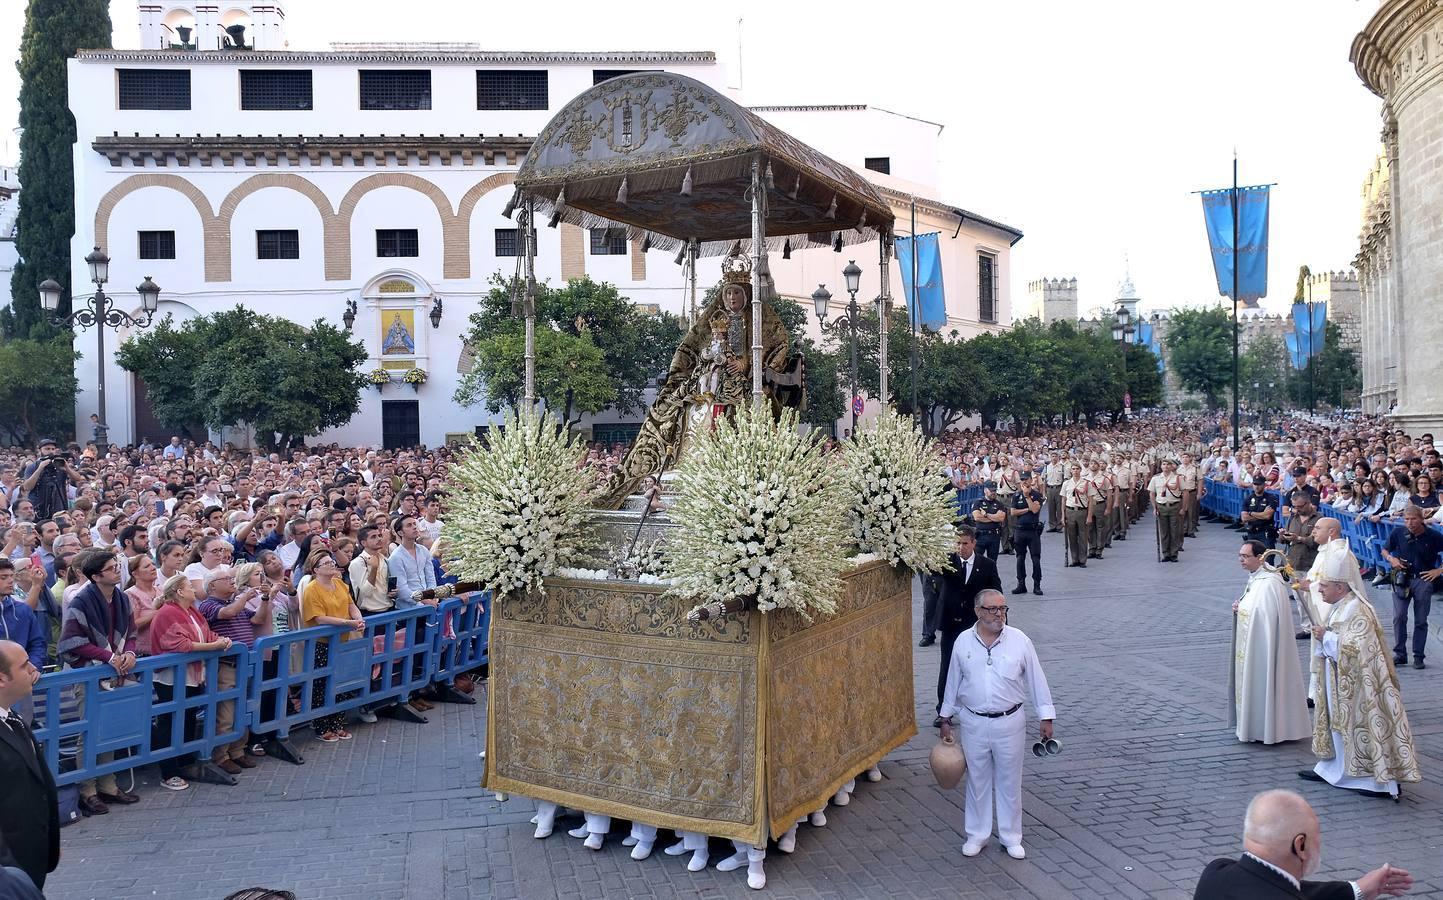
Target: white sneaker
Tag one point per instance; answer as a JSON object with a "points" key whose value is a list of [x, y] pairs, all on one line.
{"points": [[593, 841], [500, 797], [642, 849], [1016, 852], [841, 798], [819, 818], [733, 862], [971, 849], [874, 774], [787, 843], [676, 849], [756, 876], [579, 831], [368, 717], [628, 841], [698, 861]]}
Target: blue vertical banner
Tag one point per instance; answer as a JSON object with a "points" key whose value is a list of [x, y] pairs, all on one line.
{"points": [[930, 295], [1147, 336], [1310, 329], [1297, 350], [1251, 254]]}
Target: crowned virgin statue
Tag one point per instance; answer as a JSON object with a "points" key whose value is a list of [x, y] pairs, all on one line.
{"points": [[711, 372]]}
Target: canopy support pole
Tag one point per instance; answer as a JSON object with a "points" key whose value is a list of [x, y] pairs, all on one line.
{"points": [[528, 230], [884, 313], [759, 255]]}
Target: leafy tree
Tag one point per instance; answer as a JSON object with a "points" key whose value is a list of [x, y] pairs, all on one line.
{"points": [[1199, 344], [631, 348], [826, 394], [54, 30], [1144, 379], [37, 387], [285, 380], [1263, 363]]}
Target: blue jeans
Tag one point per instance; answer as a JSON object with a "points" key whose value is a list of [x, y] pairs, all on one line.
{"points": [[1420, 593]]}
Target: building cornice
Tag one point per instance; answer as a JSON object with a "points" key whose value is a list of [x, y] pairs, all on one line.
{"points": [[401, 57], [902, 199], [378, 150], [1381, 54]]}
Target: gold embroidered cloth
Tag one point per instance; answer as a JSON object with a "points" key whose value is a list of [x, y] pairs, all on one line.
{"points": [[604, 698]]}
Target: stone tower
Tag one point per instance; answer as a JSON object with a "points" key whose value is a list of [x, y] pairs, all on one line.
{"points": [[1345, 305], [1055, 299]]}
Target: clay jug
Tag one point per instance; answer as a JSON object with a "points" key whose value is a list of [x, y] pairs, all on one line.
{"points": [[948, 763]]}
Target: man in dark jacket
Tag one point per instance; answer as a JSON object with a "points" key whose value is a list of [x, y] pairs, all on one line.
{"points": [[971, 573], [1283, 844], [29, 816]]}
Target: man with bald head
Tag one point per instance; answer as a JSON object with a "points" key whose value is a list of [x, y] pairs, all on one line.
{"points": [[1282, 845], [1332, 549]]}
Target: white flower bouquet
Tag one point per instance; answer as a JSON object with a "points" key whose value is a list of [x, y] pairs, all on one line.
{"points": [[758, 517], [898, 501], [519, 506]]}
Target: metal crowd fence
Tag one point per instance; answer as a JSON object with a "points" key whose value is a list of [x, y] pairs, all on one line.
{"points": [[89, 722]]}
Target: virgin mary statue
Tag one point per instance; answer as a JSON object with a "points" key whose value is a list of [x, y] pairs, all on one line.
{"points": [[700, 386]]}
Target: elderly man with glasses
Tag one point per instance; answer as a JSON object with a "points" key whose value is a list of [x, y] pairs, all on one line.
{"points": [[994, 669]]}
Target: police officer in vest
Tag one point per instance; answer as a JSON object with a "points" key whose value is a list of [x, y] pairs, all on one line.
{"points": [[1260, 514], [1027, 533], [988, 517]]}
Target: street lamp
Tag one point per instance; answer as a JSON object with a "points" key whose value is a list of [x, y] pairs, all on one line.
{"points": [[821, 297], [100, 311], [1122, 331]]}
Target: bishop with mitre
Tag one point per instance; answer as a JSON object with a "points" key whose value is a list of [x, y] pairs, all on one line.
{"points": [[1328, 535], [1271, 704], [1361, 733]]}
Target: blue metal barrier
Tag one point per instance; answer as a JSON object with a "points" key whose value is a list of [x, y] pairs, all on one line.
{"points": [[394, 657], [461, 643], [82, 714]]}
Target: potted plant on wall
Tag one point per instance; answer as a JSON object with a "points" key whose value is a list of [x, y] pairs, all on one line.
{"points": [[415, 378], [379, 378]]}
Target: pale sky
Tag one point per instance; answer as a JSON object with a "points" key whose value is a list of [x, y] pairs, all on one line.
{"points": [[1086, 125]]}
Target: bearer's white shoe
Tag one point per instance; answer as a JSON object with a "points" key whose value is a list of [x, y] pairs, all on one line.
{"points": [[579, 831], [819, 818], [1016, 852], [971, 849], [874, 774], [699, 860], [733, 862], [756, 876], [676, 849], [628, 841], [841, 798], [642, 849], [593, 840], [787, 843]]}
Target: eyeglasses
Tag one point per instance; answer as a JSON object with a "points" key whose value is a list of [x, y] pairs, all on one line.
{"points": [[995, 610]]}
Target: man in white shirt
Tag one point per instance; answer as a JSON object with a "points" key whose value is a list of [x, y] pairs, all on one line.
{"points": [[369, 573], [994, 669], [429, 525], [174, 450]]}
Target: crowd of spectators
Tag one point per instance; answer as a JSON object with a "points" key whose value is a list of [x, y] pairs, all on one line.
{"points": [[110, 557]]}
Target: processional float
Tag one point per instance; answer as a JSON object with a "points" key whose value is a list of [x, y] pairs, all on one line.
{"points": [[605, 694]]}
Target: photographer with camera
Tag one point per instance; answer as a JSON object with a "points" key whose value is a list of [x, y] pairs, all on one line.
{"points": [[47, 480], [1413, 550]]}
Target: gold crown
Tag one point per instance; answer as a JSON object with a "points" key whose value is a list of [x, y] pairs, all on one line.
{"points": [[737, 268], [719, 322]]}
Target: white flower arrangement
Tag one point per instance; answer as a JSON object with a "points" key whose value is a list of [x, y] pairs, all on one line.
{"points": [[584, 574], [898, 502], [758, 517], [519, 506]]}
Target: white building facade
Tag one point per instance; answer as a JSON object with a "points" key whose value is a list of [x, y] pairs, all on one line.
{"points": [[297, 183]]}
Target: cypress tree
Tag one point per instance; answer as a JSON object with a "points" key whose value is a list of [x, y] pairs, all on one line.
{"points": [[54, 30]]}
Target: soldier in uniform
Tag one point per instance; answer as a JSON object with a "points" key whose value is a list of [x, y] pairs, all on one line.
{"points": [[1097, 494], [988, 516], [1260, 511], [1053, 475], [1027, 533], [1190, 475], [1077, 507], [1122, 479], [1006, 478], [1166, 491]]}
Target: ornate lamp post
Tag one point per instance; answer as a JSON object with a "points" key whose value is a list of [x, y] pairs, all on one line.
{"points": [[821, 297], [100, 311], [1122, 331]]}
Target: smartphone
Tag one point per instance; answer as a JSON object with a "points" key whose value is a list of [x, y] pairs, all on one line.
{"points": [[159, 508], [390, 583]]}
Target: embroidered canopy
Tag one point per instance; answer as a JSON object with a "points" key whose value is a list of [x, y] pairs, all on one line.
{"points": [[669, 159]]}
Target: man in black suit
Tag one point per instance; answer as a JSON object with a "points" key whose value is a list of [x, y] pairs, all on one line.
{"points": [[1283, 844], [29, 816], [971, 573]]}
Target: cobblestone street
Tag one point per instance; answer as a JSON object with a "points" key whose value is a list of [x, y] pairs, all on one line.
{"points": [[1150, 786]]}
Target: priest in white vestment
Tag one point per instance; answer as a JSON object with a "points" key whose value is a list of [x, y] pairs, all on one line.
{"points": [[1328, 535], [1272, 706], [1361, 734]]}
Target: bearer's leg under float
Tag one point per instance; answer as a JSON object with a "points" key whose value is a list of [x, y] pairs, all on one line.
{"points": [[693, 843], [594, 829], [641, 840], [544, 819], [753, 858]]}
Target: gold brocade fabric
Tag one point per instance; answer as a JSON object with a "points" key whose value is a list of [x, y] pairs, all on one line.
{"points": [[1377, 740], [604, 697], [663, 432]]}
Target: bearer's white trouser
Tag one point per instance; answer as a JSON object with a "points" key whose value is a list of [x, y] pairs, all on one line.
{"points": [[754, 854], [596, 824], [640, 832], [994, 767]]}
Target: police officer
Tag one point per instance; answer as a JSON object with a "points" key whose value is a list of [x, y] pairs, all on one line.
{"points": [[1027, 533], [988, 517], [1260, 511]]}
